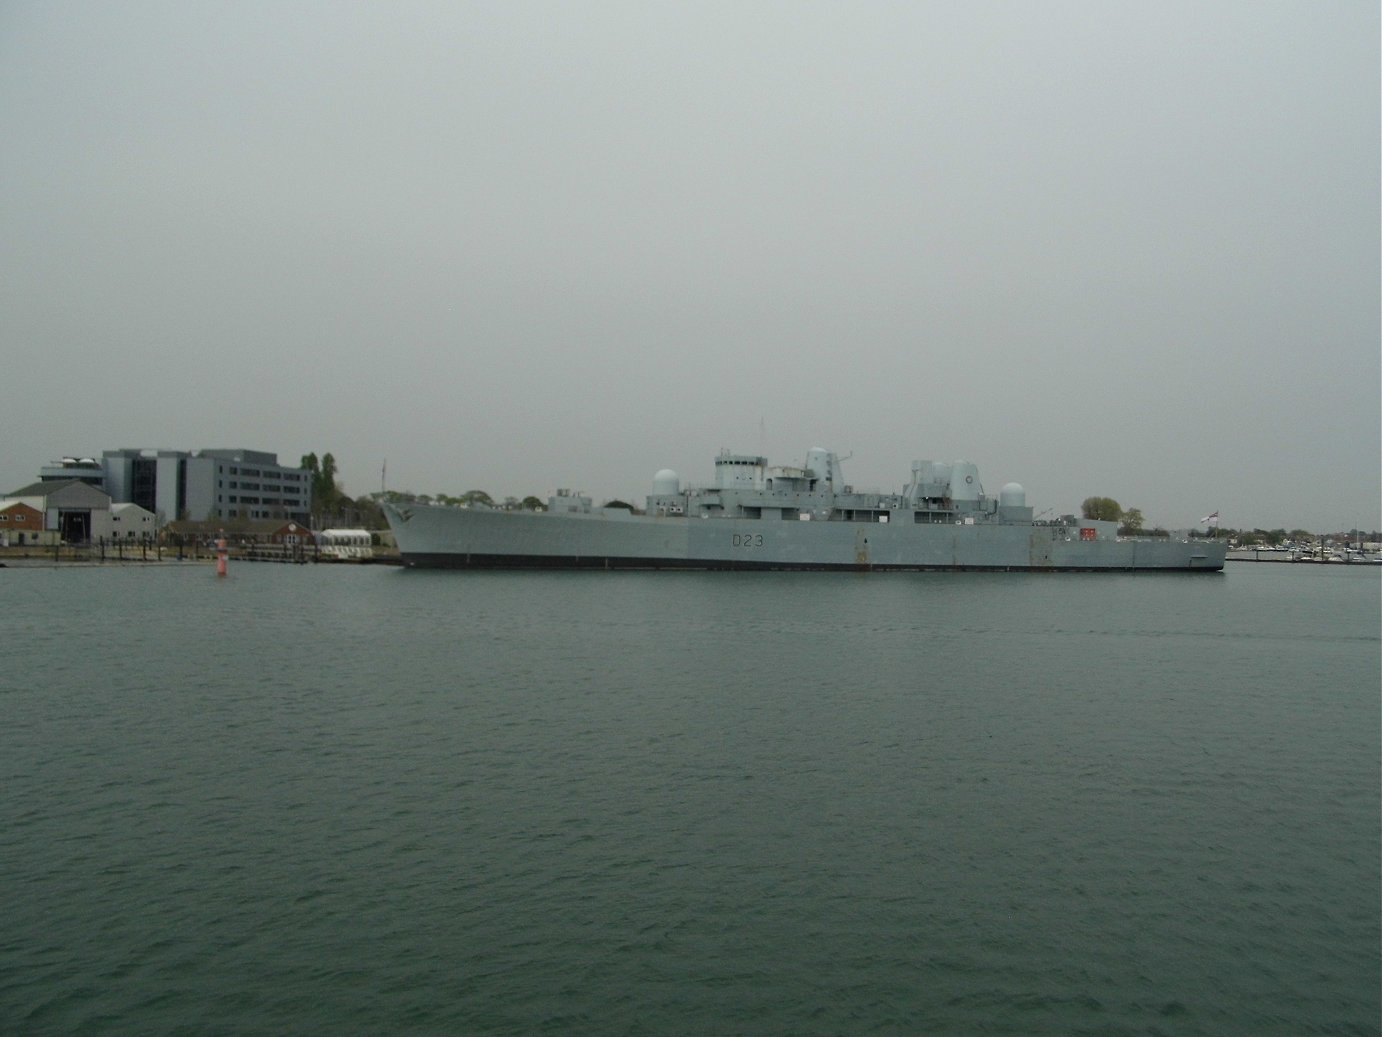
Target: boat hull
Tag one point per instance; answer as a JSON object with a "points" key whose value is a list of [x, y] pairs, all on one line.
{"points": [[432, 536]]}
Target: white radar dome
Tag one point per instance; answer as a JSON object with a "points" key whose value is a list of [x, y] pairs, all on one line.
{"points": [[666, 481], [1012, 495]]}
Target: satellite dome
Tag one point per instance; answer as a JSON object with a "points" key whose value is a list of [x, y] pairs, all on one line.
{"points": [[666, 481], [1012, 495]]}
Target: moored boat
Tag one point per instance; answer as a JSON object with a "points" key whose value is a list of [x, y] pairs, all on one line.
{"points": [[755, 516]]}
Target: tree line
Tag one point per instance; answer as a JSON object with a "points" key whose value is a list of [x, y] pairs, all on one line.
{"points": [[468, 499], [331, 506], [1131, 524], [1109, 510]]}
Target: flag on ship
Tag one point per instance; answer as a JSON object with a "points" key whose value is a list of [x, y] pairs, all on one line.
{"points": [[1212, 521]]}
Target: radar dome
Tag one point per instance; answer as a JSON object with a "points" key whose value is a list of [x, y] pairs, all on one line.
{"points": [[666, 481], [1012, 495]]}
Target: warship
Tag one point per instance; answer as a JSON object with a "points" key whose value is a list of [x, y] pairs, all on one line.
{"points": [[754, 516]]}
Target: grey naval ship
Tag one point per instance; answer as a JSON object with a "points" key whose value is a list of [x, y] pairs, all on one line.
{"points": [[758, 517]]}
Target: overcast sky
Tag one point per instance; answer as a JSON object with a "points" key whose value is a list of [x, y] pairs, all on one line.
{"points": [[1126, 250]]}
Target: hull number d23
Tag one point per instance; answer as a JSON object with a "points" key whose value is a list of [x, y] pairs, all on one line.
{"points": [[748, 539]]}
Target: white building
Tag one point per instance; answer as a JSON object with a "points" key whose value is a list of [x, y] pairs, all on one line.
{"points": [[74, 512], [131, 522]]}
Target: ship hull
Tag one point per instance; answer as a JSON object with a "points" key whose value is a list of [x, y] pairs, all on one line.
{"points": [[431, 536]]}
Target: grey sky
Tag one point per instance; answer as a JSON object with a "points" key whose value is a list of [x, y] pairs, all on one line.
{"points": [[1118, 249]]}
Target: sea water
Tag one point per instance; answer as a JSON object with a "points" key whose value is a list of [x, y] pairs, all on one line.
{"points": [[363, 800]]}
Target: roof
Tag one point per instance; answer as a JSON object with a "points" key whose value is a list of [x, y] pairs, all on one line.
{"points": [[38, 489], [69, 487], [125, 506]]}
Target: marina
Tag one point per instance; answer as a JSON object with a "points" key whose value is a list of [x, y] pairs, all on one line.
{"points": [[1311, 555]]}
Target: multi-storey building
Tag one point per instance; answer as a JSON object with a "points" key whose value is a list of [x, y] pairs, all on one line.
{"points": [[208, 485]]}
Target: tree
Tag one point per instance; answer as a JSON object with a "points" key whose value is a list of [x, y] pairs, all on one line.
{"points": [[1105, 508], [327, 498], [370, 514], [1132, 523], [531, 503]]}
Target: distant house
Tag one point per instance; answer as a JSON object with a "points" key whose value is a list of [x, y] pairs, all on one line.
{"points": [[73, 511], [131, 522], [293, 534], [20, 524]]}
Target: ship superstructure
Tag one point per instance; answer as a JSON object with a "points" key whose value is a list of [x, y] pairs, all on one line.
{"points": [[746, 487]]}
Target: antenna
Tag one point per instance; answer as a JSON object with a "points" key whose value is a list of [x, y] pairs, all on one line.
{"points": [[383, 471]]}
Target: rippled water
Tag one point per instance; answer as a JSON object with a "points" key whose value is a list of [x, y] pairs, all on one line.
{"points": [[322, 800]]}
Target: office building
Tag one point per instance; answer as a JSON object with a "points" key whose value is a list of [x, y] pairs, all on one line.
{"points": [[208, 485]]}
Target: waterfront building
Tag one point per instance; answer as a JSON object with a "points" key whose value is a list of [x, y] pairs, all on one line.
{"points": [[20, 524], [71, 511], [129, 521], [208, 485]]}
